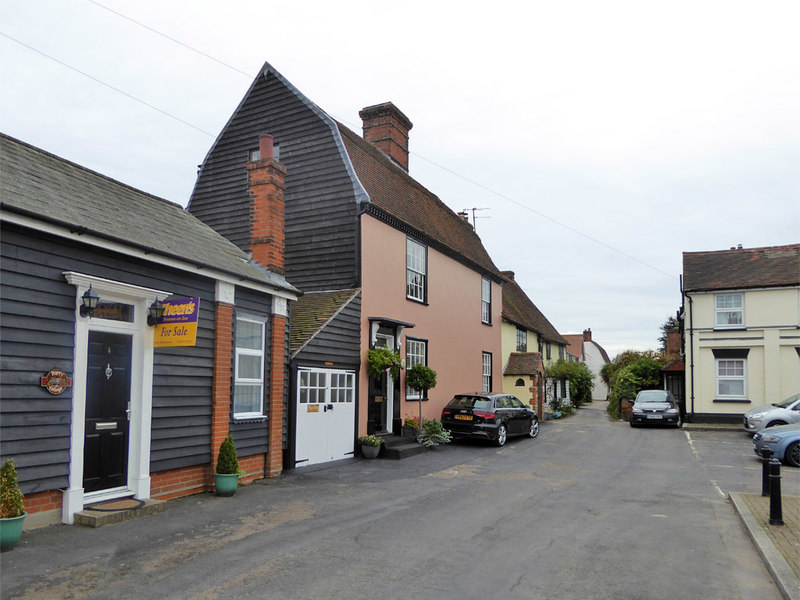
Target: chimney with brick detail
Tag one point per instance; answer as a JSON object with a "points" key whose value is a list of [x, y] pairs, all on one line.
{"points": [[265, 182], [587, 335], [387, 128]]}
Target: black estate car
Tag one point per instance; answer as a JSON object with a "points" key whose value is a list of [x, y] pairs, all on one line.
{"points": [[492, 417]]}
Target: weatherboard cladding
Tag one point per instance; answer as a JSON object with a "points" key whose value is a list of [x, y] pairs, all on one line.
{"points": [[330, 323], [320, 217], [37, 334], [742, 268]]}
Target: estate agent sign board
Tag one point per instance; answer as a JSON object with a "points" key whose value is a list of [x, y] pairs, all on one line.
{"points": [[178, 325]]}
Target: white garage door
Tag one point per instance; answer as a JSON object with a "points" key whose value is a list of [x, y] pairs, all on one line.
{"points": [[325, 415]]}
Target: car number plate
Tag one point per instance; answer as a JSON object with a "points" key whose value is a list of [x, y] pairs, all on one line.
{"points": [[655, 417], [464, 417]]}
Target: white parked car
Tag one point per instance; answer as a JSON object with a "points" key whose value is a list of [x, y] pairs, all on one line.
{"points": [[783, 413]]}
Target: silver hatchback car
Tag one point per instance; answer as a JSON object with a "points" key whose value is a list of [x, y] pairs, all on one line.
{"points": [[783, 413]]}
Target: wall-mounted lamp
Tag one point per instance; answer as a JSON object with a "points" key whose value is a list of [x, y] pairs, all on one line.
{"points": [[89, 302], [155, 312]]}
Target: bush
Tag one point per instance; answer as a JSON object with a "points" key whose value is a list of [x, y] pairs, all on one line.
{"points": [[11, 504], [421, 378], [433, 433], [381, 360], [581, 381], [641, 374], [227, 462], [370, 440]]}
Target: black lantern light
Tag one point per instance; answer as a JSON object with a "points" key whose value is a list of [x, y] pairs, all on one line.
{"points": [[155, 312], [89, 302]]}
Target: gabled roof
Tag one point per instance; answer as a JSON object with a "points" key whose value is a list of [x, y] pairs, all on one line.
{"points": [[574, 344], [518, 309], [312, 312], [741, 268], [45, 188], [524, 363], [396, 194]]}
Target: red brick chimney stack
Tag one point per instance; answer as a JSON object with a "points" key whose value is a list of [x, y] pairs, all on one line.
{"points": [[587, 335], [265, 179], [387, 128]]}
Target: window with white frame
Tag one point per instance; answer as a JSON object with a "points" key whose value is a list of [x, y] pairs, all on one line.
{"points": [[522, 340], [416, 354], [486, 301], [416, 270], [487, 372], [732, 378], [248, 394], [729, 310]]}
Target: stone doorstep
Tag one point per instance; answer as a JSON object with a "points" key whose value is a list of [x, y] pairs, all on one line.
{"points": [[396, 447], [91, 518]]}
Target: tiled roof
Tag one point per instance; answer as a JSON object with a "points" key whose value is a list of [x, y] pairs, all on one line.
{"points": [[524, 363], [574, 344], [394, 191], [48, 188], [519, 309], [742, 268], [312, 312]]}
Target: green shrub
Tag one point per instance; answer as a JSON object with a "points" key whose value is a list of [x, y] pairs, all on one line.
{"points": [[433, 433], [381, 360], [640, 374], [11, 504], [227, 462], [581, 381], [370, 440], [421, 378]]}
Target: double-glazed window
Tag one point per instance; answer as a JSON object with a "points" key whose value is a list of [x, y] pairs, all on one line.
{"points": [[416, 270], [522, 340], [248, 394], [486, 301], [416, 354], [487, 372], [732, 378], [729, 310]]}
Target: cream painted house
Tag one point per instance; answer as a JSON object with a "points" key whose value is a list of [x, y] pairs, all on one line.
{"points": [[530, 343], [741, 313]]}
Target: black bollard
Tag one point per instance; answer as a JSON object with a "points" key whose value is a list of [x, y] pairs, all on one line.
{"points": [[766, 454], [775, 508]]}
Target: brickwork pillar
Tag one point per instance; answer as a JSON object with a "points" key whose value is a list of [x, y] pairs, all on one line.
{"points": [[221, 381], [276, 388]]}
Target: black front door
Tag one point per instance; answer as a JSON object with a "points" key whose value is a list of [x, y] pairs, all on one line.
{"points": [[108, 388]]}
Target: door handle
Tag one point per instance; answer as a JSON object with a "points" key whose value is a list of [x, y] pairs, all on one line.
{"points": [[327, 407]]}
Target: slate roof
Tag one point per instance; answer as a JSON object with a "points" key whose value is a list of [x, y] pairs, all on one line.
{"points": [[742, 268], [518, 309], [524, 363], [312, 312], [394, 191], [45, 187]]}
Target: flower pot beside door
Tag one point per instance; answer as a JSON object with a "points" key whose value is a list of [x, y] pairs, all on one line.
{"points": [[370, 445], [12, 513], [226, 476]]}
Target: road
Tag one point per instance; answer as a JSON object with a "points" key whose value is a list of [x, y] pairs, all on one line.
{"points": [[590, 509]]}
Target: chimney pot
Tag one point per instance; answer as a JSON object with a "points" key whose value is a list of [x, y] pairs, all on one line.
{"points": [[265, 146]]}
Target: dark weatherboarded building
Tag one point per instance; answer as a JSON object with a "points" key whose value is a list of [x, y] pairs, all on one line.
{"points": [[113, 404]]}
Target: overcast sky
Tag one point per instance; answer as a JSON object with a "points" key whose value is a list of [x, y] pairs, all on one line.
{"points": [[600, 139]]}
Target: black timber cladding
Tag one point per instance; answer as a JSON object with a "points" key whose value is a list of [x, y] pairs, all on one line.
{"points": [[37, 334], [338, 343], [321, 210]]}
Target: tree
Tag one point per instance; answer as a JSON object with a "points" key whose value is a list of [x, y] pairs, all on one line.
{"points": [[580, 379], [640, 374]]}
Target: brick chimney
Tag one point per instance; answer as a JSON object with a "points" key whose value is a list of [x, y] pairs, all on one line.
{"points": [[587, 335], [265, 182], [508, 274], [387, 128]]}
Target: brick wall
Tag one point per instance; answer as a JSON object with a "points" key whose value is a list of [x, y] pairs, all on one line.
{"points": [[42, 501]]}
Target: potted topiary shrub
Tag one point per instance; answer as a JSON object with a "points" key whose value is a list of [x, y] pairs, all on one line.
{"points": [[433, 433], [370, 445], [226, 476], [12, 509], [421, 378]]}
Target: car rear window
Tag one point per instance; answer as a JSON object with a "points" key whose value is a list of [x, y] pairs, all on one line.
{"points": [[652, 396], [478, 402]]}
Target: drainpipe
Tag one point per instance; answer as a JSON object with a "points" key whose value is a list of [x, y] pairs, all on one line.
{"points": [[691, 354]]}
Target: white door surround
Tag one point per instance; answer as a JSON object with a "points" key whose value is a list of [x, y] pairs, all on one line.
{"points": [[141, 392]]}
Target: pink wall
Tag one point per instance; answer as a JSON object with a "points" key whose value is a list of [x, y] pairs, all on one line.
{"points": [[451, 321]]}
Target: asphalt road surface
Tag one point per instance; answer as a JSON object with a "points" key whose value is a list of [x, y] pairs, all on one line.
{"points": [[591, 509]]}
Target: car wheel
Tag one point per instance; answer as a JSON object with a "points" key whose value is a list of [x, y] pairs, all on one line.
{"points": [[793, 455], [502, 434], [776, 423], [534, 430]]}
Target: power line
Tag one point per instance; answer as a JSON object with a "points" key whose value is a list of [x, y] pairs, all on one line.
{"points": [[108, 85]]}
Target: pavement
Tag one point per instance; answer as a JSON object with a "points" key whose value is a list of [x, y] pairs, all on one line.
{"points": [[778, 545]]}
